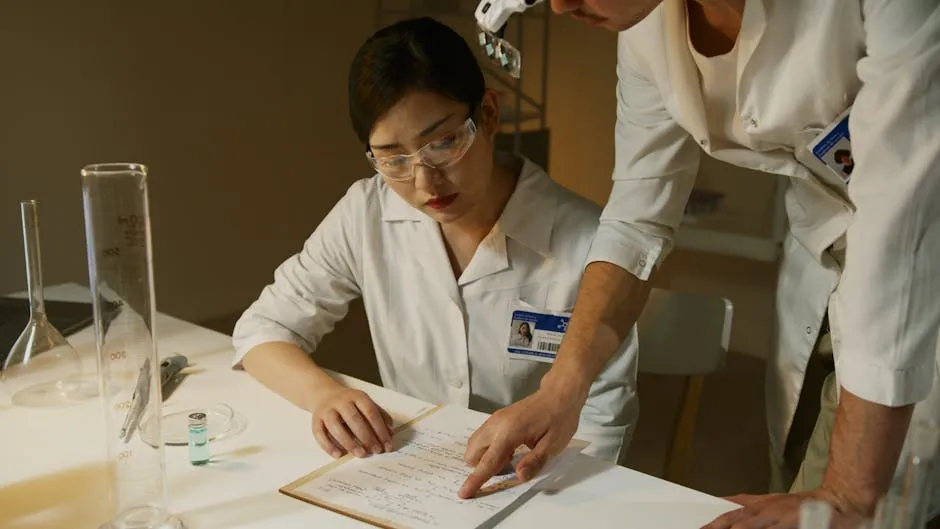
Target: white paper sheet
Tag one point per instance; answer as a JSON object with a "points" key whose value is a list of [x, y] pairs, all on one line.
{"points": [[416, 486]]}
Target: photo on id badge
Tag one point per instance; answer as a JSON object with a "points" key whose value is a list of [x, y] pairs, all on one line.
{"points": [[535, 334]]}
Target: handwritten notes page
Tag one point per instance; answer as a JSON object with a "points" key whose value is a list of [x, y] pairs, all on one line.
{"points": [[416, 486]]}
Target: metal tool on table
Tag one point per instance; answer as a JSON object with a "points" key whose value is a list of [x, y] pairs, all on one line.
{"points": [[138, 403], [171, 374]]}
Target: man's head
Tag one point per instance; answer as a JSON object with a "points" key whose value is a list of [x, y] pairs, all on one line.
{"points": [[613, 15]]}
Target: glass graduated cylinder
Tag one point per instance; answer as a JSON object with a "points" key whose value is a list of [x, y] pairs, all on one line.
{"points": [[117, 231]]}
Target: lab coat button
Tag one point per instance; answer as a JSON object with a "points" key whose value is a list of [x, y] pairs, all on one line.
{"points": [[457, 383], [703, 142], [809, 329], [753, 122], [642, 262]]}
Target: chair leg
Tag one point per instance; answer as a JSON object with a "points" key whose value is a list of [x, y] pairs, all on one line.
{"points": [[680, 450]]}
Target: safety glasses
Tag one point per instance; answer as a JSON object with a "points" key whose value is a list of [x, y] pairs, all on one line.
{"points": [[439, 154]]}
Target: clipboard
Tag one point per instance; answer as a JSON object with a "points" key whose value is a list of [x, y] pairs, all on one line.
{"points": [[498, 484], [291, 489]]}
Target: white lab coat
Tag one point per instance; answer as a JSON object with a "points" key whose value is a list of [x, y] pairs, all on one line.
{"points": [[800, 64], [436, 338]]}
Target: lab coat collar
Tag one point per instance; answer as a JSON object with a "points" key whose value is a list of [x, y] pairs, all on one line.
{"points": [[683, 72], [529, 214], [753, 24], [394, 208], [527, 218]]}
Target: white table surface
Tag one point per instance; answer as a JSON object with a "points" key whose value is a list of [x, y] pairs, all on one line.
{"points": [[51, 461]]}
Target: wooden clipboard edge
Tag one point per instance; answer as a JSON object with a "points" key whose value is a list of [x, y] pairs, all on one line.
{"points": [[356, 515], [421, 416], [581, 444], [290, 488]]}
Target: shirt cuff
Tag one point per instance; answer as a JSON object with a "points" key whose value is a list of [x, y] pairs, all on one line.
{"points": [[883, 385], [606, 443], [626, 247]]}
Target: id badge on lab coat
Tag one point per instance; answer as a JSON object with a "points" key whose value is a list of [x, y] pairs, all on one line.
{"points": [[535, 334], [833, 147]]}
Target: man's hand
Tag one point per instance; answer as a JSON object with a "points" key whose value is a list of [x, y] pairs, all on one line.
{"points": [[866, 441], [609, 301], [347, 420], [782, 511], [544, 421]]}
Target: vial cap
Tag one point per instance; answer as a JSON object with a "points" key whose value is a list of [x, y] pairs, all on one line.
{"points": [[197, 419]]}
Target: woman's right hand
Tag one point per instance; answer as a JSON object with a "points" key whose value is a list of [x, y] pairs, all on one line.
{"points": [[347, 420]]}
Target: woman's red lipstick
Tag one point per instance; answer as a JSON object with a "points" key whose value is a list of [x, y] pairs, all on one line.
{"points": [[441, 202]]}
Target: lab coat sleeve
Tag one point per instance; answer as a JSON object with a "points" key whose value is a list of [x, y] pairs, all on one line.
{"points": [[610, 414], [655, 164], [313, 288], [886, 309]]}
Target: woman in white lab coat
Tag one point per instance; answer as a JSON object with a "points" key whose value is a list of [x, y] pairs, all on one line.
{"points": [[443, 244]]}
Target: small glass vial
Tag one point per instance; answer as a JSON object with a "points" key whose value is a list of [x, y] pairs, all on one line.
{"points": [[198, 439]]}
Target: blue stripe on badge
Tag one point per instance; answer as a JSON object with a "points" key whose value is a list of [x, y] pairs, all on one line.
{"points": [[543, 322], [841, 130], [528, 352]]}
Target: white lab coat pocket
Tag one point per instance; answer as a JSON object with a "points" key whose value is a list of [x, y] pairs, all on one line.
{"points": [[491, 323], [530, 354]]}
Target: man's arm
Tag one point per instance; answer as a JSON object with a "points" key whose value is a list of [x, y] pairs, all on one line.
{"points": [[609, 302], [866, 442], [885, 308], [655, 166]]}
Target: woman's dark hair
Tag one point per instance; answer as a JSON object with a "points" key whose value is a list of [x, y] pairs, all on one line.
{"points": [[414, 54]]}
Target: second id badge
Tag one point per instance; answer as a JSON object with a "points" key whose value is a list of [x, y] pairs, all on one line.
{"points": [[833, 147], [535, 334]]}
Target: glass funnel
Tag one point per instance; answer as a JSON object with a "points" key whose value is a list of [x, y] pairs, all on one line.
{"points": [[42, 369]]}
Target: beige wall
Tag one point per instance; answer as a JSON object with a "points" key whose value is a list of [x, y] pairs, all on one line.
{"points": [[239, 109]]}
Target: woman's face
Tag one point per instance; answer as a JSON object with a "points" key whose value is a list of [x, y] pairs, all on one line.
{"points": [[524, 329], [449, 193]]}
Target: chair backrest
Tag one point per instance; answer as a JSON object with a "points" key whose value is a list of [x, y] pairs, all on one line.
{"points": [[681, 333]]}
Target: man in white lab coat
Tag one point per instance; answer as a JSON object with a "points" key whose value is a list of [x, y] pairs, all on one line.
{"points": [[754, 84]]}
